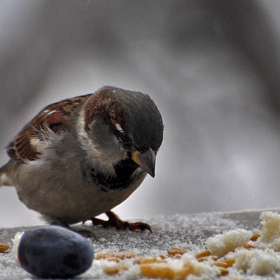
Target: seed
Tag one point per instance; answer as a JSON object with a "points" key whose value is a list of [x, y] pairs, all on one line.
{"points": [[255, 237], [185, 271], [100, 255], [176, 250], [203, 254], [120, 255], [163, 257], [223, 271], [177, 256], [230, 262], [130, 255], [148, 260], [157, 271], [111, 255], [248, 246], [221, 264], [138, 260], [203, 259], [4, 247], [123, 267], [113, 259], [111, 270]]}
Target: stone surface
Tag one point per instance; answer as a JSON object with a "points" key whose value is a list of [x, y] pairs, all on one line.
{"points": [[181, 230]]}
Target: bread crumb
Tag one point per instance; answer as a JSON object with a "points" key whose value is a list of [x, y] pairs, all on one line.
{"points": [[16, 241], [256, 261], [270, 222], [222, 244]]}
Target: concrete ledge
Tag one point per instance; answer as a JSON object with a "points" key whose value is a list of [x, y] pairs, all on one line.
{"points": [[168, 231]]}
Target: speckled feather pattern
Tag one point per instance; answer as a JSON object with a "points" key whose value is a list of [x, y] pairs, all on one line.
{"points": [[82, 156]]}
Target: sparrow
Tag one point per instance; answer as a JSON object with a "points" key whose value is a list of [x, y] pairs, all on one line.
{"points": [[81, 157]]}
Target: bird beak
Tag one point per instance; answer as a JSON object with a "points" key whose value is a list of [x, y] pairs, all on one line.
{"points": [[146, 160]]}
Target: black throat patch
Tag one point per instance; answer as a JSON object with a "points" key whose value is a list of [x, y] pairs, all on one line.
{"points": [[123, 178]]}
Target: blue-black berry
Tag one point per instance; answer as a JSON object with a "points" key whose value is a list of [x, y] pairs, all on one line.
{"points": [[54, 252]]}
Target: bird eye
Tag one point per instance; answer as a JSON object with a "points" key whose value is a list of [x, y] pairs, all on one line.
{"points": [[125, 138]]}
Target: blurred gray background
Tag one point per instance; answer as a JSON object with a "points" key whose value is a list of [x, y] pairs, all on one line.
{"points": [[212, 67]]}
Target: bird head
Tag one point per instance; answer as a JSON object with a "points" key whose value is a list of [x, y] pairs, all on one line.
{"points": [[123, 127]]}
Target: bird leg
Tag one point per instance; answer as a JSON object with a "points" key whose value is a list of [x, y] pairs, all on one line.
{"points": [[84, 232], [59, 222], [115, 221]]}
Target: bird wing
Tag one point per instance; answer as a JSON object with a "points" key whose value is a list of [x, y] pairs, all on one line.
{"points": [[53, 119]]}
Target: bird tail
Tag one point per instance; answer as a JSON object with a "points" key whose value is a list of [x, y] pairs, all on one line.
{"points": [[6, 174]]}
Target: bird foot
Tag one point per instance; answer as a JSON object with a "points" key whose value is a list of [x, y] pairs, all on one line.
{"points": [[115, 221]]}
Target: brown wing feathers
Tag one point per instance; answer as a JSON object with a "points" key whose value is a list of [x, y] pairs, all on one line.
{"points": [[54, 117]]}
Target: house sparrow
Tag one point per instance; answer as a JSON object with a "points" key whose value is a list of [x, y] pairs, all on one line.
{"points": [[82, 156]]}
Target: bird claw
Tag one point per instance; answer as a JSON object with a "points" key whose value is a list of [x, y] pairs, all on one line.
{"points": [[116, 222]]}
